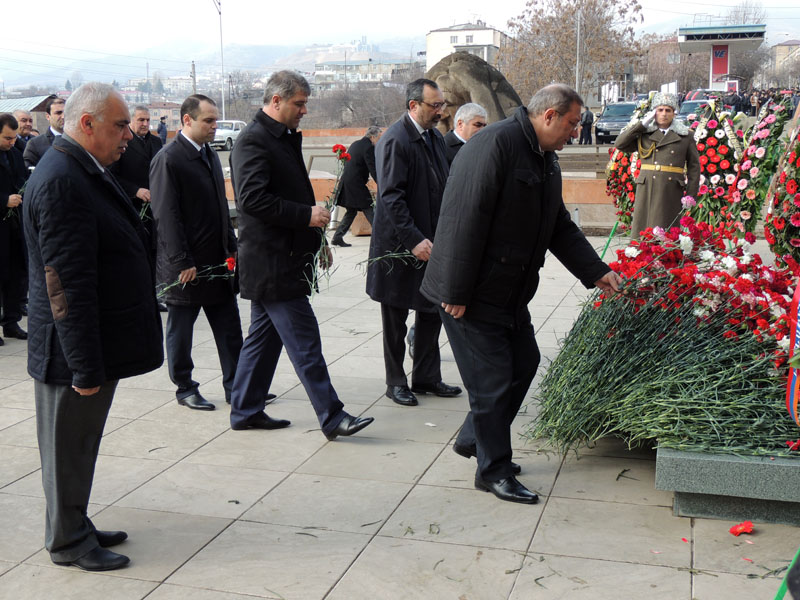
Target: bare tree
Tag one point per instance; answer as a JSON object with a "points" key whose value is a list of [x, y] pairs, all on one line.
{"points": [[662, 61], [749, 63], [592, 47], [749, 12]]}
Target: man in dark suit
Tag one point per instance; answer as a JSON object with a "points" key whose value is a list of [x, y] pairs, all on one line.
{"points": [[281, 236], [93, 317], [502, 211], [24, 135], [353, 192], [12, 250], [412, 171], [162, 130], [195, 234], [35, 148], [470, 118]]}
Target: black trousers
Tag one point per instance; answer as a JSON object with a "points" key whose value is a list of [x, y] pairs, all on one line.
{"points": [[227, 330], [347, 220], [497, 366], [427, 361], [586, 134], [69, 428]]}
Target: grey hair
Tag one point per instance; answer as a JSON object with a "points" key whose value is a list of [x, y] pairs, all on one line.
{"points": [[90, 98], [373, 131], [285, 84], [556, 95], [469, 111], [21, 111], [141, 108]]}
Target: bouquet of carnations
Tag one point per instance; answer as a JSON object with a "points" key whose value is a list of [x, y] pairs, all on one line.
{"points": [[782, 227]]}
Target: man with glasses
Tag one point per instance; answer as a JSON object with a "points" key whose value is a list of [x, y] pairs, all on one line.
{"points": [[470, 119], [412, 170], [502, 212]]}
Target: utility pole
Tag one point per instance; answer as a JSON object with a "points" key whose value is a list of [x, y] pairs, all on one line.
{"points": [[193, 74], [218, 6], [578, 54]]}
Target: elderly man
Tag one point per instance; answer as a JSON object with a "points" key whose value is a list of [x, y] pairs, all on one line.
{"points": [[36, 147], [280, 232], [412, 171], [93, 317], [670, 164], [502, 212], [354, 195], [25, 120], [470, 118]]}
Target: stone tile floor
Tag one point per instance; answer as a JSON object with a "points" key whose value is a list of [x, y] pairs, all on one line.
{"points": [[215, 514]]}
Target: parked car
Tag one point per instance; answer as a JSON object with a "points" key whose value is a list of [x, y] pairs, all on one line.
{"points": [[613, 118], [227, 132], [689, 108]]}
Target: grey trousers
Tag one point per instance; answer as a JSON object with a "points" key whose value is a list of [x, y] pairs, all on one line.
{"points": [[69, 427]]}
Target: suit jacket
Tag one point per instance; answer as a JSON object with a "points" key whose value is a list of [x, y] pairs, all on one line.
{"points": [[353, 191], [502, 211], [411, 181], [92, 312], [133, 167], [659, 193], [452, 146], [36, 147], [193, 222], [20, 143], [274, 198], [12, 178]]}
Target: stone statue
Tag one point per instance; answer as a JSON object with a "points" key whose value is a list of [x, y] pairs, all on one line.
{"points": [[463, 78]]}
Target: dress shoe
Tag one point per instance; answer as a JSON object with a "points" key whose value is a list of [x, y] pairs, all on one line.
{"points": [[269, 399], [340, 242], [106, 539], [98, 559], [197, 402], [260, 421], [508, 489], [401, 395], [348, 426], [440, 388], [471, 452], [14, 331], [162, 307]]}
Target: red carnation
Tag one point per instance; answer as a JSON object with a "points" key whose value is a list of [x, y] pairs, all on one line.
{"points": [[338, 148], [791, 186], [230, 262], [345, 156], [711, 152], [712, 141], [711, 168], [744, 527], [723, 149], [724, 164], [779, 223]]}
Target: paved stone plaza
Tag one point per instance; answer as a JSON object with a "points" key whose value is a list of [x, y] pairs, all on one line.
{"points": [[391, 513]]}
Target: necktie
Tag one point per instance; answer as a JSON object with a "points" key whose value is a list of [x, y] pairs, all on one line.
{"points": [[206, 157], [428, 135]]}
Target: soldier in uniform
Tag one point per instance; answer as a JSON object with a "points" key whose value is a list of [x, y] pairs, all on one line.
{"points": [[670, 164]]}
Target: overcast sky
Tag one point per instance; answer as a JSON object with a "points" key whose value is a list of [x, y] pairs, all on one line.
{"points": [[78, 30]]}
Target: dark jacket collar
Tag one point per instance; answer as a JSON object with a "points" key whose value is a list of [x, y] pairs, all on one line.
{"points": [[190, 152], [66, 144], [521, 116], [274, 127]]}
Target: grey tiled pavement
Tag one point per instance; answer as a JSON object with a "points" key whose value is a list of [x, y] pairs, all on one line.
{"points": [[215, 514]]}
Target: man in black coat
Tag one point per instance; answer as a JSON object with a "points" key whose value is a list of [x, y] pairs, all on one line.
{"points": [[354, 195], [195, 236], [93, 315], [470, 118], [502, 211], [24, 135], [35, 148], [280, 239], [412, 171]]}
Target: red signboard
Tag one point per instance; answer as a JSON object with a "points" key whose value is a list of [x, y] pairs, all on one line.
{"points": [[719, 61]]}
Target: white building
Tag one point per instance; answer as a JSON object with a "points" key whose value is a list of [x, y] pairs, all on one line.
{"points": [[475, 38]]}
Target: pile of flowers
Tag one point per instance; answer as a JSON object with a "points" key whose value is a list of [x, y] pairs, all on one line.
{"points": [[747, 191], [782, 227], [621, 172], [691, 355], [719, 147]]}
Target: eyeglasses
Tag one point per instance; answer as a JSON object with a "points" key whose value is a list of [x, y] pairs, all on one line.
{"points": [[575, 126], [435, 105]]}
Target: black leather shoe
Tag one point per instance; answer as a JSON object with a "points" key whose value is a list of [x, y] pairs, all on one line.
{"points": [[106, 539], [197, 402], [439, 388], [469, 452], [98, 559], [348, 426], [270, 398], [340, 242], [508, 489], [401, 395], [260, 421], [14, 331]]}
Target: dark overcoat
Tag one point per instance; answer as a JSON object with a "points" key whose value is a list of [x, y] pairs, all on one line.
{"points": [[37, 146], [92, 311], [132, 170], [502, 211], [659, 193], [353, 191], [274, 199], [193, 222], [452, 146], [410, 186], [12, 252]]}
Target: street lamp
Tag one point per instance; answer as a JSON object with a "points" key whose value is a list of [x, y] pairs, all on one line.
{"points": [[218, 6]]}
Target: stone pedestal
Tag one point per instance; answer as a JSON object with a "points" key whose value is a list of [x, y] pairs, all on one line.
{"points": [[736, 488]]}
